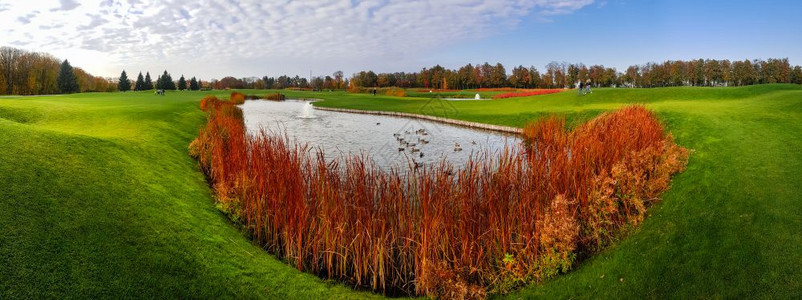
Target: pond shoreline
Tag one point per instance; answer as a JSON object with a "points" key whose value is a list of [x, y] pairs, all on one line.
{"points": [[476, 125]]}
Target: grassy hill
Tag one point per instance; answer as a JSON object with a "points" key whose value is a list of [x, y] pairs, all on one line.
{"points": [[98, 197]]}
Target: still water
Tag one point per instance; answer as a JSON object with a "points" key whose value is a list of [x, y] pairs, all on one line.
{"points": [[388, 141]]}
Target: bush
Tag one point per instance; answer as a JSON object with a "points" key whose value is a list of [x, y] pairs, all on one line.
{"points": [[205, 103], [275, 97], [396, 92], [237, 98]]}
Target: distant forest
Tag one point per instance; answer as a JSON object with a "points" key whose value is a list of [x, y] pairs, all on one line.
{"points": [[34, 73], [700, 72]]}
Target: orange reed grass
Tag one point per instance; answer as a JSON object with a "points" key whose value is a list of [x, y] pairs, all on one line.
{"points": [[497, 222]]}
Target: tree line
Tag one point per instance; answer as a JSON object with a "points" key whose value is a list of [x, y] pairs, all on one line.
{"points": [[163, 82], [35, 73], [330, 82], [701, 72]]}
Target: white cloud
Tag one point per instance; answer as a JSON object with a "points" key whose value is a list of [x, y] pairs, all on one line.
{"points": [[67, 5], [218, 37]]}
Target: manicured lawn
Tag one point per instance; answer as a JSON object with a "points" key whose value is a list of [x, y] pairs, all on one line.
{"points": [[731, 225], [98, 197]]}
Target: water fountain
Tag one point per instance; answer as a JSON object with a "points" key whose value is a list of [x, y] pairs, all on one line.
{"points": [[477, 97], [307, 111]]}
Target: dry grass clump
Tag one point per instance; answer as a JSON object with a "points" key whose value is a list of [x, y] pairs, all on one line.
{"points": [[496, 223], [275, 97], [237, 98], [396, 92]]}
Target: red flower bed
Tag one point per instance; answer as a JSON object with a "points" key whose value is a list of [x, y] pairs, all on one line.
{"points": [[527, 94]]}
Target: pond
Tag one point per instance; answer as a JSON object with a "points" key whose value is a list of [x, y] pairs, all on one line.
{"points": [[388, 141]]}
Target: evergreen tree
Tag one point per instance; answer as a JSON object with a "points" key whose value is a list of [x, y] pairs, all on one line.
{"points": [[182, 83], [159, 83], [67, 81], [140, 83], [124, 85], [148, 82], [193, 84], [167, 81]]}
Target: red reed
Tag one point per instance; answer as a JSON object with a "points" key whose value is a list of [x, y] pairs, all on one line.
{"points": [[494, 224]]}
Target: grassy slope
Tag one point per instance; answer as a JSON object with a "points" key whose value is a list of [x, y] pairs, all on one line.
{"points": [[99, 197], [730, 225]]}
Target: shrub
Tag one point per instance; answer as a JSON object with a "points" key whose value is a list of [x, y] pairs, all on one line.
{"points": [[237, 98], [396, 92], [275, 97], [205, 102]]}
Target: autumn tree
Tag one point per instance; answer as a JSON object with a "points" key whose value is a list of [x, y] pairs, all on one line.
{"points": [[571, 75], [585, 73], [556, 73], [498, 76], [534, 77], [89, 83], [8, 58], [317, 83], [35, 73], [338, 80], [230, 82], [699, 72], [384, 80], [519, 77]]}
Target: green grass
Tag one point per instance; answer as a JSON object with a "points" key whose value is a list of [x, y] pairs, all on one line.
{"points": [[469, 94], [99, 198]]}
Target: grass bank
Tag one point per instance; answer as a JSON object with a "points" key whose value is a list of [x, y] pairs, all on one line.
{"points": [[729, 226], [99, 198]]}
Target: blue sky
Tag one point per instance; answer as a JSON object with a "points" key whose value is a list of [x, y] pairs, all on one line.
{"points": [[622, 33], [215, 38]]}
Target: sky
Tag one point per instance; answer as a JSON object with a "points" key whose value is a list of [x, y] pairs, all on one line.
{"points": [[242, 38]]}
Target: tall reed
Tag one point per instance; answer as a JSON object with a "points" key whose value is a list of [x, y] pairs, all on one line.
{"points": [[498, 222]]}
